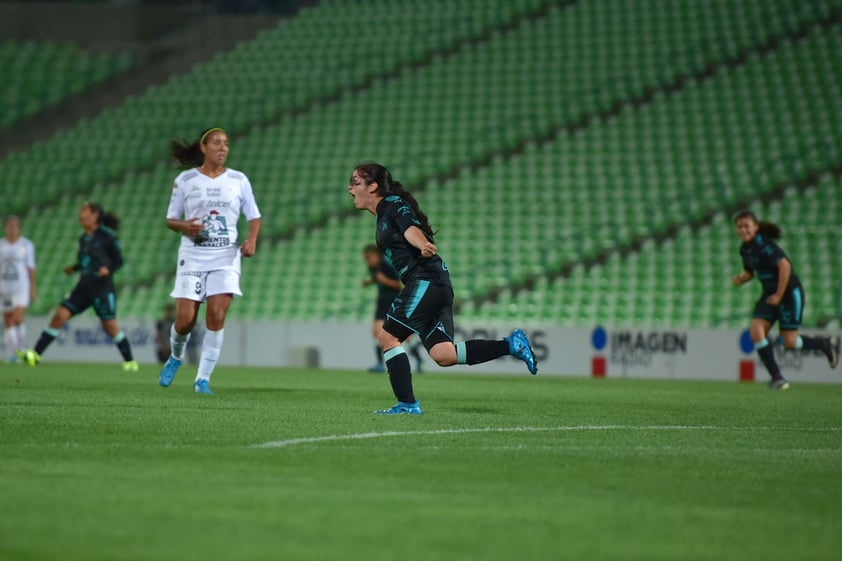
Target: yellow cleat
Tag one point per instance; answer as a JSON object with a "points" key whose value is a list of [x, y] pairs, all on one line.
{"points": [[131, 366], [29, 356]]}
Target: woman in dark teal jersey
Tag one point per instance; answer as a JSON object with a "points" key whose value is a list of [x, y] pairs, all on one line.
{"points": [[782, 299], [98, 258], [425, 305]]}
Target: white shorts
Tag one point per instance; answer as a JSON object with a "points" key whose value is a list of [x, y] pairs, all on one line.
{"points": [[198, 285], [10, 301]]}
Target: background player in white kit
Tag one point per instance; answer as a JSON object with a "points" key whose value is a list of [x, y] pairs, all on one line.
{"points": [[17, 285], [206, 203]]}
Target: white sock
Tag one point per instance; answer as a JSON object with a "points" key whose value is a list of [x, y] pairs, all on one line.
{"points": [[22, 336], [10, 339], [178, 342], [211, 345]]}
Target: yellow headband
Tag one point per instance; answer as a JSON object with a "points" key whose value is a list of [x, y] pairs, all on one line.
{"points": [[207, 132]]}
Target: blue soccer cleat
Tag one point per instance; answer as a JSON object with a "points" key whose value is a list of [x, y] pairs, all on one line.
{"points": [[402, 408], [519, 347], [168, 371], [202, 386]]}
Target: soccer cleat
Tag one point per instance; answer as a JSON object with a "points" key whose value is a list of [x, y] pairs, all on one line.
{"points": [[168, 371], [519, 347], [131, 366], [778, 384], [29, 356], [402, 408], [377, 368], [202, 386], [831, 349]]}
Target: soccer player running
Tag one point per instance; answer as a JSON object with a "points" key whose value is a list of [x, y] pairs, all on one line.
{"points": [[17, 285], [206, 203], [99, 257], [782, 299], [388, 282], [425, 305]]}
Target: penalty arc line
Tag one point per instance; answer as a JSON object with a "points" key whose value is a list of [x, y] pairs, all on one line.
{"points": [[389, 434], [567, 428]]}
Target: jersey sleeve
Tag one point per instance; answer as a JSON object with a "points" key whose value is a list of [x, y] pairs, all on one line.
{"points": [[176, 208], [30, 256], [770, 254], [249, 208], [402, 215], [114, 253]]}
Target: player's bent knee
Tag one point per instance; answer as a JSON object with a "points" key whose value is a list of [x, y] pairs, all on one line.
{"points": [[444, 354]]}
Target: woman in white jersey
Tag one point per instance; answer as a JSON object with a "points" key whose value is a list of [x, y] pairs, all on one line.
{"points": [[17, 285], [206, 203]]}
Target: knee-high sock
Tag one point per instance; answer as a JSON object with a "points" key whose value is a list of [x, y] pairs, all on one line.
{"points": [[10, 339], [211, 345], [810, 343], [178, 342], [767, 356], [123, 346], [22, 336], [400, 374], [47, 336], [479, 350], [378, 354]]}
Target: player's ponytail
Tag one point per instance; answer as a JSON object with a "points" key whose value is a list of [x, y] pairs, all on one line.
{"points": [[768, 229], [189, 154], [104, 217], [387, 186]]}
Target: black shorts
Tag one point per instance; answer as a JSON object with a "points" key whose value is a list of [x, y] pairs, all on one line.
{"points": [[422, 308], [100, 295], [382, 308], [789, 312]]}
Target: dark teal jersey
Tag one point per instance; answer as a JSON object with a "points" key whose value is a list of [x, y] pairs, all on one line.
{"points": [[761, 257], [99, 249], [394, 217]]}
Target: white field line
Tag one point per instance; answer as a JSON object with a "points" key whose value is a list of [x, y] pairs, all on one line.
{"points": [[566, 428], [389, 434]]}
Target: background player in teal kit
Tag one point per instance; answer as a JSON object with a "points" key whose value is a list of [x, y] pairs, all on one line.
{"points": [[425, 305], [383, 275], [99, 257], [783, 297]]}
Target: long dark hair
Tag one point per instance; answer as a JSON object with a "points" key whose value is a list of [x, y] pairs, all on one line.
{"points": [[106, 218], [189, 154], [387, 186], [768, 229]]}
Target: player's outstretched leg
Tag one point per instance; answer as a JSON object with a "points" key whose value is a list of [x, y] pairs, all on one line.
{"points": [[177, 343], [477, 351]]}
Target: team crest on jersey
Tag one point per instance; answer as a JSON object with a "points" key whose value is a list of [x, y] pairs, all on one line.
{"points": [[215, 233]]}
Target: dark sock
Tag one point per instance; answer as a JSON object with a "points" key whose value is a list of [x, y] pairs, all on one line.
{"points": [[47, 336], [479, 350], [378, 355], [767, 356], [125, 349], [400, 374], [811, 343]]}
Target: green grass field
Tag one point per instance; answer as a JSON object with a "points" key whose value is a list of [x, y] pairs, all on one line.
{"points": [[98, 464]]}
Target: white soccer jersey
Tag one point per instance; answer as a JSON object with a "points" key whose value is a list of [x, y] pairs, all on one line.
{"points": [[217, 202], [16, 259]]}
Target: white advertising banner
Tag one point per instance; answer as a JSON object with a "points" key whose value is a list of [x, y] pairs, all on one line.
{"points": [[703, 354]]}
